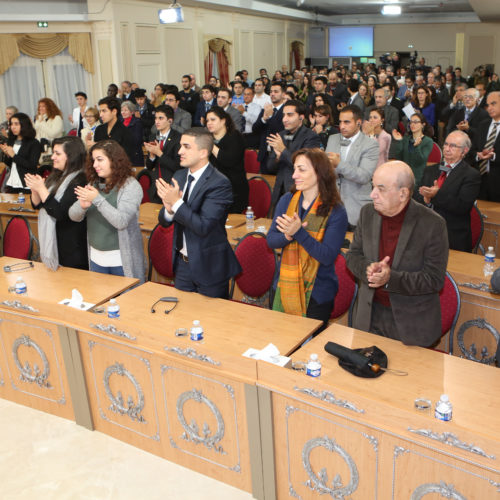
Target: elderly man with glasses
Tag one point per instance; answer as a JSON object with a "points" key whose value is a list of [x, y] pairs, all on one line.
{"points": [[470, 116], [451, 190]]}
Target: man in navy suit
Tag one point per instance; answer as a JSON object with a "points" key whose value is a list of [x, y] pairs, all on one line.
{"points": [[206, 102], [197, 202]]}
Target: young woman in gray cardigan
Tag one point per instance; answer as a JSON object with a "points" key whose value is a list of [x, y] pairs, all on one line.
{"points": [[110, 202]]}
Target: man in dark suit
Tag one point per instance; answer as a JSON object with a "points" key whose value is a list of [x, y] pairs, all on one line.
{"points": [[189, 98], [163, 149], [145, 111], [399, 255], [127, 92], [206, 102], [391, 114], [469, 117], [320, 85], [337, 90], [270, 121], [182, 119], [295, 136], [197, 203], [355, 99], [485, 151], [451, 190], [112, 127], [392, 100], [481, 88]]}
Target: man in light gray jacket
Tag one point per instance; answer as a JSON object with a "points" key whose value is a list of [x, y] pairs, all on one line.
{"points": [[354, 157]]}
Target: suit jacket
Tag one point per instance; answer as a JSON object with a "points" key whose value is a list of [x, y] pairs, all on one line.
{"points": [[182, 120], [339, 94], [304, 138], [26, 159], [490, 190], [454, 201], [148, 119], [167, 164], [236, 117], [203, 216], [201, 112], [391, 119], [358, 101], [355, 172], [476, 117], [417, 272], [189, 101], [398, 104], [272, 126]]}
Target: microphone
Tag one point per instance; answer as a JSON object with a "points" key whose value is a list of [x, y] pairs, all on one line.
{"points": [[165, 299], [20, 266]]}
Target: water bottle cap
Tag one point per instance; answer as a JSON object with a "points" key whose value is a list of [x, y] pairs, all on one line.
{"points": [[314, 357], [196, 322], [490, 249], [250, 208], [112, 301], [445, 398], [19, 278]]}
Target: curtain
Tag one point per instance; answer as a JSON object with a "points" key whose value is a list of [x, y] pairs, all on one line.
{"points": [[217, 55], [45, 45], [296, 54]]}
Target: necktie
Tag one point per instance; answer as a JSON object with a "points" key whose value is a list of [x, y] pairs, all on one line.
{"points": [[180, 228], [345, 142], [207, 107], [162, 143], [275, 110], [467, 114], [246, 107], [483, 165], [444, 172]]}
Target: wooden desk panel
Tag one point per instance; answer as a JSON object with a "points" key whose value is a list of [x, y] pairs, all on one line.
{"points": [[491, 213]]}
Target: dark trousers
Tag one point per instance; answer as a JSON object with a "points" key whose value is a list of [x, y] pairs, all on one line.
{"points": [[382, 322], [321, 312], [185, 281]]}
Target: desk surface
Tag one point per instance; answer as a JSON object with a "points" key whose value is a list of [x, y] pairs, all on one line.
{"points": [[54, 286], [473, 389], [230, 327], [271, 179], [465, 266], [236, 233], [9, 206]]}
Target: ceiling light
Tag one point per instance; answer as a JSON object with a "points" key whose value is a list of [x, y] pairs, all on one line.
{"points": [[172, 14], [391, 10]]}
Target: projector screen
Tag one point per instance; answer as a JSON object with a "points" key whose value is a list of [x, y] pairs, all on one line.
{"points": [[350, 41]]}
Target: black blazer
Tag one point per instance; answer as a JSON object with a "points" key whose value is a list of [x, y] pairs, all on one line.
{"points": [[477, 116], [167, 164], [71, 236], [230, 162], [119, 133], [189, 101], [201, 112], [148, 120], [137, 135], [203, 217], [272, 126], [27, 157], [454, 201]]}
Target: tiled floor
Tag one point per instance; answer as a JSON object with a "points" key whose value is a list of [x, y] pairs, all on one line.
{"points": [[44, 457]]}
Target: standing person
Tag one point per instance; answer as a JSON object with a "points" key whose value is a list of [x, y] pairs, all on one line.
{"points": [[134, 126], [77, 118], [310, 226], [422, 101], [321, 122], [182, 119], [228, 155], [158, 95], [145, 111], [250, 111], [189, 98], [62, 241], [22, 153], [413, 148], [48, 121], [92, 119], [197, 204], [374, 128], [206, 102], [110, 202], [260, 97], [4, 126]]}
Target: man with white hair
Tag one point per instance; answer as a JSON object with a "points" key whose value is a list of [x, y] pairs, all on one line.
{"points": [[451, 189], [399, 255], [470, 116], [391, 114]]}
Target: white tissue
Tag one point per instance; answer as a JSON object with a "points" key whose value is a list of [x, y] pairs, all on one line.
{"points": [[270, 353], [77, 301]]}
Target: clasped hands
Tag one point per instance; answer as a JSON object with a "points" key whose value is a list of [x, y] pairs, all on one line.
{"points": [[34, 182], [378, 273], [486, 154], [86, 195], [8, 150], [428, 192], [289, 225], [276, 142], [169, 193], [153, 148]]}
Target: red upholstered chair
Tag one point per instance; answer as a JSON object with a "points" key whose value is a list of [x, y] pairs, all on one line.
{"points": [[449, 298], [252, 165], [145, 180], [477, 228], [401, 128], [348, 289], [259, 197], [18, 240], [73, 132], [44, 171], [2, 176], [258, 263], [160, 251], [435, 155]]}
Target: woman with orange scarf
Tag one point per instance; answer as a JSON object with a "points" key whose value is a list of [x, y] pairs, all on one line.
{"points": [[309, 225]]}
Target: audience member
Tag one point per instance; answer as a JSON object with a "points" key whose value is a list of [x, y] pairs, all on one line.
{"points": [[374, 128], [77, 118], [145, 111], [48, 121], [224, 101], [391, 115], [182, 119], [92, 120], [250, 111], [206, 102], [136, 133], [260, 97], [158, 96], [470, 116], [321, 122], [189, 99]]}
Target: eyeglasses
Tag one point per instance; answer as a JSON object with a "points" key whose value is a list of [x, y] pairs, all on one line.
{"points": [[452, 146], [468, 96], [415, 122]]}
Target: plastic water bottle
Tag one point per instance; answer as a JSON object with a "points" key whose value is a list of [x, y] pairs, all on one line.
{"points": [[21, 198], [20, 286], [489, 262], [113, 309], [313, 367], [444, 410], [196, 331], [250, 219]]}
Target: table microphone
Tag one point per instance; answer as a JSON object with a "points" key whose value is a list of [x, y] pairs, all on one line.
{"points": [[165, 299]]}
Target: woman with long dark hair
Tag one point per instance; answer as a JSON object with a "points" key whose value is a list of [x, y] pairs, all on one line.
{"points": [[62, 241], [22, 153], [228, 155], [309, 225], [422, 101], [110, 202]]}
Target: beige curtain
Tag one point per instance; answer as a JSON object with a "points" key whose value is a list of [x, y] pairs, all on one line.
{"points": [[218, 44], [44, 45]]}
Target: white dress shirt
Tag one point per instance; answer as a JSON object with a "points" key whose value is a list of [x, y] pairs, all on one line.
{"points": [[251, 114], [262, 100]]}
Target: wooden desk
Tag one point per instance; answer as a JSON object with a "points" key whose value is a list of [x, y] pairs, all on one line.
{"points": [[491, 214], [365, 438], [235, 234], [271, 179]]}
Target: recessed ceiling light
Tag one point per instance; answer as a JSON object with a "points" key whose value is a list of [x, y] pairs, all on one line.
{"points": [[391, 10]]}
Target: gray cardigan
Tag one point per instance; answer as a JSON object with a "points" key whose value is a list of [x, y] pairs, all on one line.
{"points": [[125, 218]]}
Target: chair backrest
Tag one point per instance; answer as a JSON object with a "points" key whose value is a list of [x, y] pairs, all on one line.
{"points": [[401, 128], [252, 165], [18, 238], [44, 171], [73, 132], [449, 298], [2, 176], [145, 180], [476, 226], [348, 289], [259, 196], [258, 263], [435, 155], [160, 251]]}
